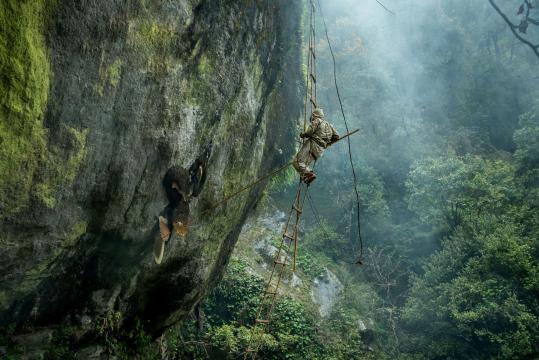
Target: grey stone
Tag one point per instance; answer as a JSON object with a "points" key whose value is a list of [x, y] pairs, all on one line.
{"points": [[296, 281], [35, 340], [361, 325], [85, 320], [326, 288], [246, 227], [274, 222], [92, 352]]}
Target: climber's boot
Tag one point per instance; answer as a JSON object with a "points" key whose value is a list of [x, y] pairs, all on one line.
{"points": [[309, 177], [163, 229]]}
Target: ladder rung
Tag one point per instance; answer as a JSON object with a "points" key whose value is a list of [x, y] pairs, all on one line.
{"points": [[251, 350], [297, 209], [277, 262], [312, 51], [262, 321], [286, 236], [270, 292], [312, 77], [312, 102]]}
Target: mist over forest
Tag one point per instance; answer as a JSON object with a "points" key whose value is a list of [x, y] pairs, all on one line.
{"points": [[447, 99], [106, 104]]}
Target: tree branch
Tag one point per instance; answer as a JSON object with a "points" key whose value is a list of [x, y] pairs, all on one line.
{"points": [[382, 5], [512, 26]]}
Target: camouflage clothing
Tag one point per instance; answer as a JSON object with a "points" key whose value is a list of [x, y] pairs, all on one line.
{"points": [[304, 158], [320, 133], [318, 136]]}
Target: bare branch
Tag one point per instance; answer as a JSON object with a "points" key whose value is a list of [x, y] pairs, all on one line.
{"points": [[513, 27], [382, 5]]}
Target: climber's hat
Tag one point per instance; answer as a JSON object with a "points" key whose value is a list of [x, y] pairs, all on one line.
{"points": [[318, 112]]}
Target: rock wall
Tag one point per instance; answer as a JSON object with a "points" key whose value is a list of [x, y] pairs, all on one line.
{"points": [[104, 97]]}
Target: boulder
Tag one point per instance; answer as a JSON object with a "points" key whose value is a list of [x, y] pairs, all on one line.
{"points": [[325, 291]]}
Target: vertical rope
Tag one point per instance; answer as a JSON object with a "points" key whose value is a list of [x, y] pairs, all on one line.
{"points": [[313, 57], [298, 206], [347, 130], [308, 80]]}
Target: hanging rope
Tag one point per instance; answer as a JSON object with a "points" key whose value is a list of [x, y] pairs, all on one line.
{"points": [[247, 187], [265, 177], [359, 260], [317, 216]]}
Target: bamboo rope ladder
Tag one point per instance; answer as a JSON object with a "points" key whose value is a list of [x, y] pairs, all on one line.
{"points": [[288, 247]]}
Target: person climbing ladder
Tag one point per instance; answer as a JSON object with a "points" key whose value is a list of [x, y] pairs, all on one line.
{"points": [[319, 136]]}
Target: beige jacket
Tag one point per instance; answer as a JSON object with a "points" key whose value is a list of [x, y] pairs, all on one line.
{"points": [[319, 134]]}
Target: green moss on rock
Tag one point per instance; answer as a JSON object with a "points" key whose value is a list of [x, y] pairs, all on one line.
{"points": [[28, 165], [109, 75], [152, 41], [75, 233], [24, 86], [61, 167]]}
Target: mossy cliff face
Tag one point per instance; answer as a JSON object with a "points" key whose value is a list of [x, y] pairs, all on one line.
{"points": [[102, 98]]}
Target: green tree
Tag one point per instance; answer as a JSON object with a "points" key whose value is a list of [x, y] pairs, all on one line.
{"points": [[477, 297]]}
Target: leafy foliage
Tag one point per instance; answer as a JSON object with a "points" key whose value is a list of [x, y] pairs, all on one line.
{"points": [[294, 333], [478, 295], [448, 174], [443, 191]]}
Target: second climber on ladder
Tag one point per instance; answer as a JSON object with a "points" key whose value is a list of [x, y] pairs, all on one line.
{"points": [[319, 136]]}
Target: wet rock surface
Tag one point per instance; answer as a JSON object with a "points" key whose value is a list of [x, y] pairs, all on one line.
{"points": [[325, 291], [149, 85], [270, 227]]}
